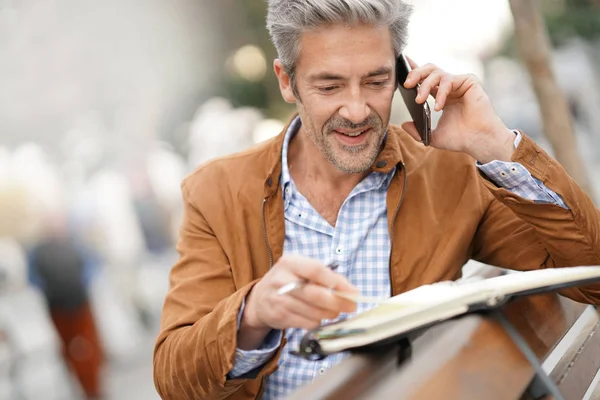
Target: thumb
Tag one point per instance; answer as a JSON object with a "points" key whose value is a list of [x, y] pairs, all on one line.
{"points": [[411, 129]]}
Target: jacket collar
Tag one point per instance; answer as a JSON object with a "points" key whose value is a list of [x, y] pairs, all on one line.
{"points": [[388, 158]]}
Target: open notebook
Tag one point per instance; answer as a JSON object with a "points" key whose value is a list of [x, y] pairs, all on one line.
{"points": [[419, 308]]}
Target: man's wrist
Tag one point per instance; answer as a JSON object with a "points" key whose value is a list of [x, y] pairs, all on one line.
{"points": [[251, 338], [500, 147], [251, 333], [249, 318]]}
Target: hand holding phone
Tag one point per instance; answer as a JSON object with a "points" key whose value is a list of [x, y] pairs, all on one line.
{"points": [[420, 113]]}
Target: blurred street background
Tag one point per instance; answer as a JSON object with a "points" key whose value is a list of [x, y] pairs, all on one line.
{"points": [[106, 106]]}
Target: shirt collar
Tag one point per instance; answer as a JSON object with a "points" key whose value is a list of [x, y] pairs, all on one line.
{"points": [[293, 128]]}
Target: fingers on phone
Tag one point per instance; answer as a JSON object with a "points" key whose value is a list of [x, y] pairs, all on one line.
{"points": [[411, 81], [421, 73], [430, 85], [442, 92]]}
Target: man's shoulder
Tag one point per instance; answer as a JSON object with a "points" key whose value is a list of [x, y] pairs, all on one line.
{"points": [[418, 157]]}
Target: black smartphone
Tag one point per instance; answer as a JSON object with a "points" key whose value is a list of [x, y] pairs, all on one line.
{"points": [[420, 113]]}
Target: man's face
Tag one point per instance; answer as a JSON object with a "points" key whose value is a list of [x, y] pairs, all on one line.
{"points": [[345, 80]]}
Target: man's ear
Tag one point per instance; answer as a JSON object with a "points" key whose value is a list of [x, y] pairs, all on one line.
{"points": [[285, 84]]}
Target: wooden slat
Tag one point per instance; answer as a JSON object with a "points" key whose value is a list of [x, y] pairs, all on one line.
{"points": [[543, 320], [451, 368], [357, 374]]}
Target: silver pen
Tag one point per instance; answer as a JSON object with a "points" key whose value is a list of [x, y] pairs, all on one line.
{"points": [[356, 298], [290, 287]]}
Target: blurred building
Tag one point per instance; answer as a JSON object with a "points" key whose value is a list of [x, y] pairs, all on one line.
{"points": [[132, 69]]}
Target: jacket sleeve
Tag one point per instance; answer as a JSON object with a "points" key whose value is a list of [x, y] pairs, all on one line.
{"points": [[521, 234], [196, 345]]}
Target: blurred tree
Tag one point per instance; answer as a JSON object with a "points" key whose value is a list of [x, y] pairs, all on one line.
{"points": [[244, 22], [564, 19], [572, 18], [242, 92], [534, 48]]}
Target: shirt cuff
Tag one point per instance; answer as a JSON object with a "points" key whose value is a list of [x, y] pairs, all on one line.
{"points": [[508, 175], [248, 360], [515, 177], [504, 174]]}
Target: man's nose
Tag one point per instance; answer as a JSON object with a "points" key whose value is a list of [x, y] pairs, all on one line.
{"points": [[355, 108]]}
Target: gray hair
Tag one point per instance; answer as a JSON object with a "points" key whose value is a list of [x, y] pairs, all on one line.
{"points": [[288, 19]]}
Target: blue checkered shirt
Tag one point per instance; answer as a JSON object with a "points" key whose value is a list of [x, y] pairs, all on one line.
{"points": [[360, 244]]}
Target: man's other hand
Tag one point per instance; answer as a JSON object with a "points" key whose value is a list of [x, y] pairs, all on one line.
{"points": [[303, 308]]}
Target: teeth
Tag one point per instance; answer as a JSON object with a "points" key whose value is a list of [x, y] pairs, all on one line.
{"points": [[354, 134]]}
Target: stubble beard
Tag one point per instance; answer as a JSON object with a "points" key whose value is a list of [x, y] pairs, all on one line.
{"points": [[352, 159], [326, 142]]}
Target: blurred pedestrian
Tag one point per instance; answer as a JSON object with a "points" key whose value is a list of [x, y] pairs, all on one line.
{"points": [[57, 266]]}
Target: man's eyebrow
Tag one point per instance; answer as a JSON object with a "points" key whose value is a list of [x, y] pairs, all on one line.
{"points": [[329, 76], [379, 71], [326, 76]]}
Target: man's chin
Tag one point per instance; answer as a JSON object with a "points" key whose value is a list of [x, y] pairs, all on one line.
{"points": [[353, 165], [351, 159]]}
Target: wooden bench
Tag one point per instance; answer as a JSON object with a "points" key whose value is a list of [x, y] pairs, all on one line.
{"points": [[475, 357]]}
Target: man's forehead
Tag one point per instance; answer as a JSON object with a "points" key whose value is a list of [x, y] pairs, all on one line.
{"points": [[357, 50]]}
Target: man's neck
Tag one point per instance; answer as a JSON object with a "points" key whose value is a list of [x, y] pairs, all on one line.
{"points": [[307, 163]]}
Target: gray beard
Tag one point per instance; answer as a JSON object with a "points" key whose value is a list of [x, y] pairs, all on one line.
{"points": [[330, 155]]}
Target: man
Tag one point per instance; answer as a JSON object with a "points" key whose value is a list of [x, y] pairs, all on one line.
{"points": [[341, 186]]}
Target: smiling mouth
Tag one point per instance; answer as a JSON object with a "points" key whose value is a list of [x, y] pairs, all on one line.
{"points": [[354, 140], [353, 134]]}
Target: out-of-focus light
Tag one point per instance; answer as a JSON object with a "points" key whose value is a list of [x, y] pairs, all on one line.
{"points": [[5, 172], [266, 129], [250, 63]]}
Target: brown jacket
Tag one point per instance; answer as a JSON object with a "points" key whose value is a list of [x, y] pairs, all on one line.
{"points": [[441, 213]]}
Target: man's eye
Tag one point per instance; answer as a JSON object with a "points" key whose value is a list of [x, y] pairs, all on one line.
{"points": [[378, 83], [328, 89]]}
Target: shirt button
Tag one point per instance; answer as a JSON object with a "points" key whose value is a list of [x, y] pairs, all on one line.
{"points": [[288, 190], [339, 250], [321, 371]]}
